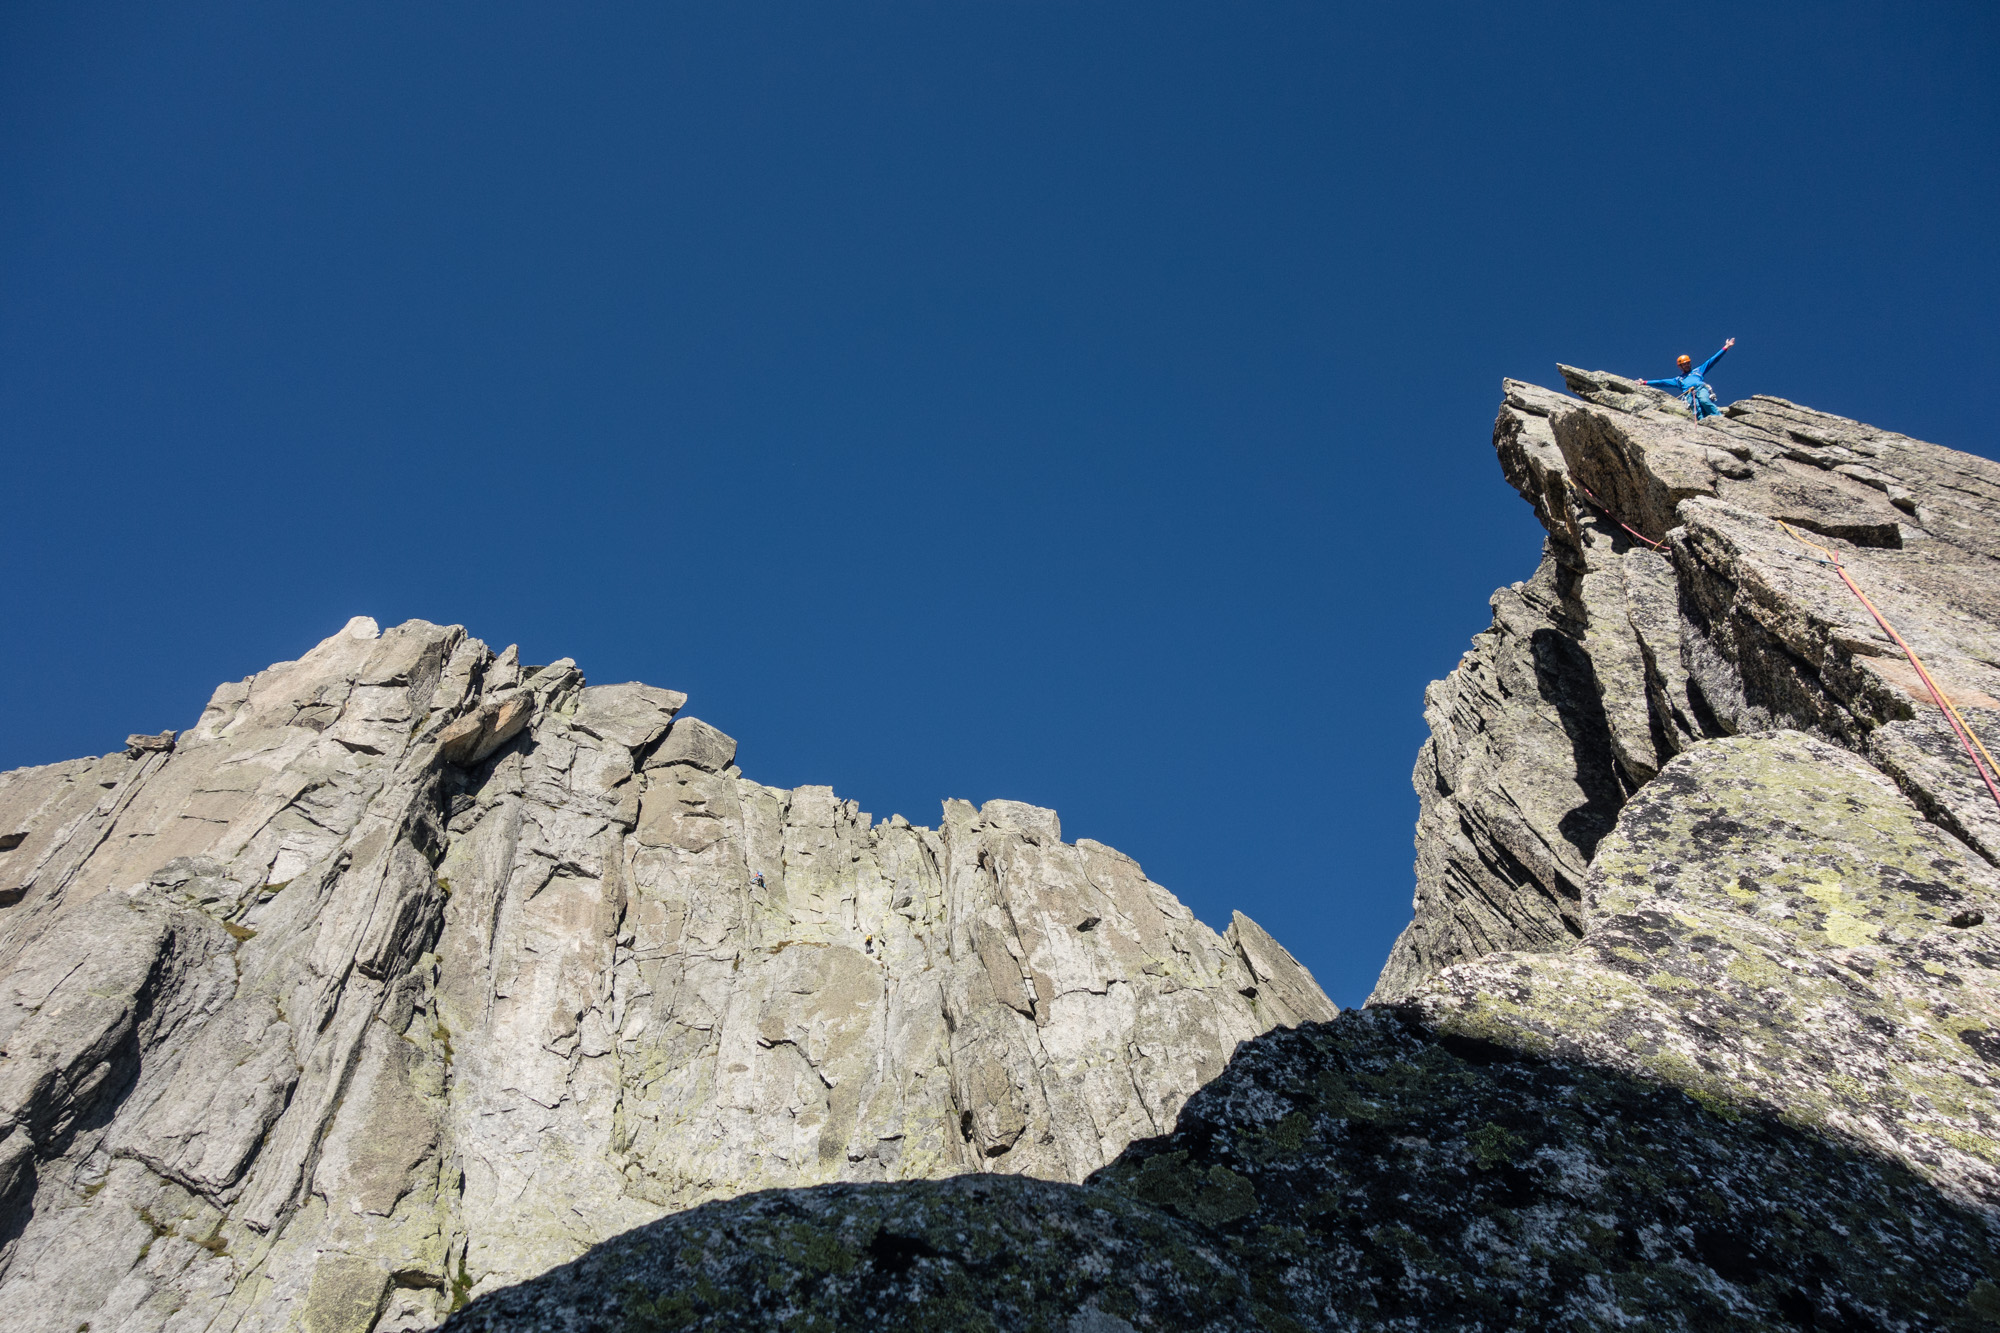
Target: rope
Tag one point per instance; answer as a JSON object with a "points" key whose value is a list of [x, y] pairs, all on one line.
{"points": [[1657, 546], [1967, 739]]}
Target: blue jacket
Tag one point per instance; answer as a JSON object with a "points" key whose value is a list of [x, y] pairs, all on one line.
{"points": [[1691, 383]]}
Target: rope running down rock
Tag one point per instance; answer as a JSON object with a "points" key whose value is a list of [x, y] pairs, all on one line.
{"points": [[1966, 737], [1657, 546]]}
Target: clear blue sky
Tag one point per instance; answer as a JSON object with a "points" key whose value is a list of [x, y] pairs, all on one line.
{"points": [[1085, 404]]}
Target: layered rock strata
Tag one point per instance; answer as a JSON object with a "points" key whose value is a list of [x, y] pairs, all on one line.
{"points": [[409, 972], [1697, 1024], [1670, 608]]}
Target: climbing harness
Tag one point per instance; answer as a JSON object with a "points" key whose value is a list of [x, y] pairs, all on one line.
{"points": [[1967, 739], [1700, 400], [1657, 546]]}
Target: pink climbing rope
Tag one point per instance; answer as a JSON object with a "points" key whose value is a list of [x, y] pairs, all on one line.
{"points": [[1657, 546]]}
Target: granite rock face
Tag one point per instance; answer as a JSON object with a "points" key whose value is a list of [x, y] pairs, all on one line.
{"points": [[1670, 608], [410, 972], [1696, 1026], [410, 975], [1370, 1173], [1758, 1093]]}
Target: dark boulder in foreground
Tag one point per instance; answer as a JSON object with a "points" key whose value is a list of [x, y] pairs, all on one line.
{"points": [[1364, 1173]]}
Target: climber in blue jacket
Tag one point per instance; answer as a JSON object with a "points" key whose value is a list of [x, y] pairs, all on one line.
{"points": [[1690, 385]]}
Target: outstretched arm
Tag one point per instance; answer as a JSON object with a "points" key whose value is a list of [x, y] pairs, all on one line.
{"points": [[1702, 369], [1664, 384]]}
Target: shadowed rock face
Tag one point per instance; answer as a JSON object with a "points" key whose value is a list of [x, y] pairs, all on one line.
{"points": [[1367, 1173], [409, 972], [1698, 1021]]}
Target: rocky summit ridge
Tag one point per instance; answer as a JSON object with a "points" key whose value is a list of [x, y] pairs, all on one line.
{"points": [[412, 981]]}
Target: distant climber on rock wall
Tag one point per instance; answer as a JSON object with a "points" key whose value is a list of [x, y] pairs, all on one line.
{"points": [[1690, 385]]}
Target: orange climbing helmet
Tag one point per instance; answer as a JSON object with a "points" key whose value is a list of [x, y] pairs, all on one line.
{"points": [[1683, 360]]}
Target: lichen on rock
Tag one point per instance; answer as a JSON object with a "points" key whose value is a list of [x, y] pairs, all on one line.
{"points": [[1365, 1173], [413, 982], [1694, 1025]]}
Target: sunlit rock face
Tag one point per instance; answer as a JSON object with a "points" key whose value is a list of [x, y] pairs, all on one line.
{"points": [[1672, 607], [1697, 1021], [414, 982], [409, 972]]}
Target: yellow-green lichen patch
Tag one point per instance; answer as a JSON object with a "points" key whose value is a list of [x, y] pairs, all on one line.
{"points": [[1781, 826], [1492, 1145], [1772, 938]]}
